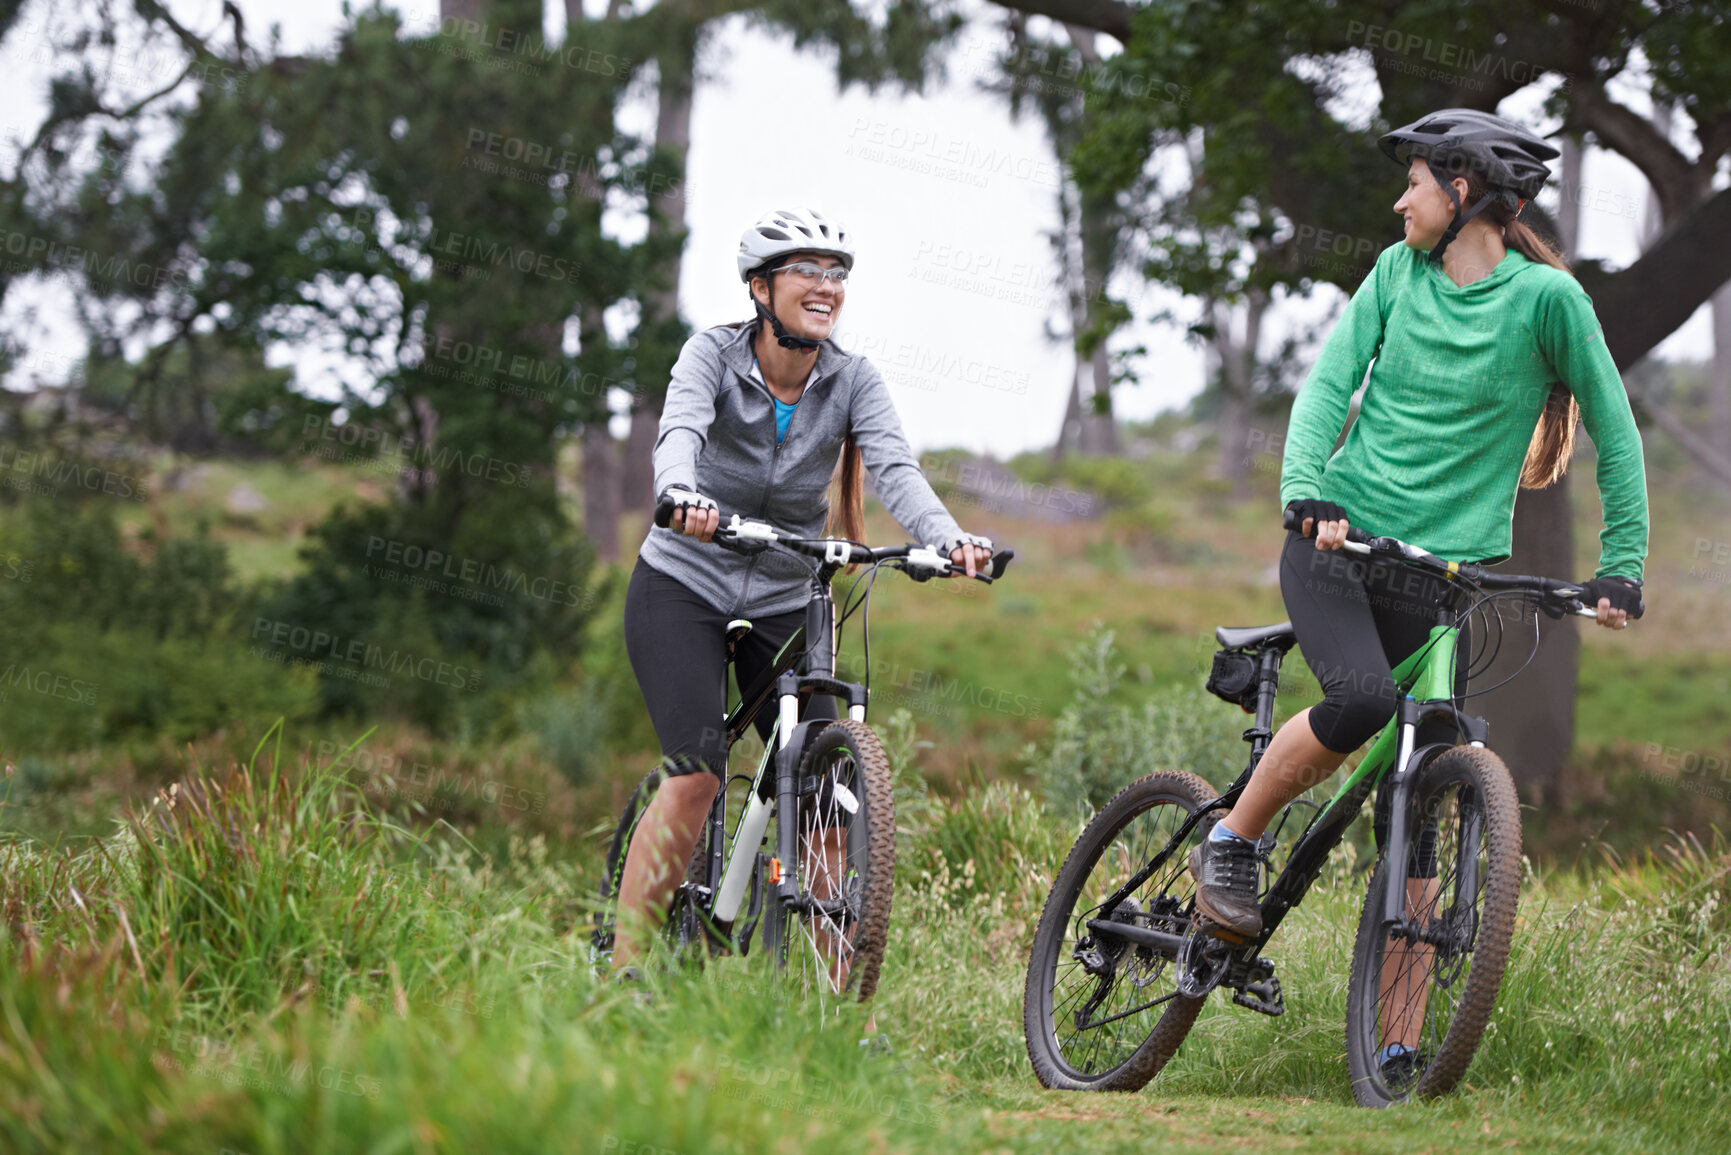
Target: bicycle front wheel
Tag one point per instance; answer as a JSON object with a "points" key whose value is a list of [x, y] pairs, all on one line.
{"points": [[1100, 1013], [830, 938], [1423, 989]]}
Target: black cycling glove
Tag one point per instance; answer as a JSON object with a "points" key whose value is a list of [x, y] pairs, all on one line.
{"points": [[1316, 509], [1623, 593]]}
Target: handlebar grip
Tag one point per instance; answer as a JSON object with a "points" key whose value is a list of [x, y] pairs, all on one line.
{"points": [[1289, 519], [666, 505], [1000, 562]]}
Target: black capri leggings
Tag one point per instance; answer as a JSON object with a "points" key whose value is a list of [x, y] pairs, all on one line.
{"points": [[677, 643], [1355, 621]]}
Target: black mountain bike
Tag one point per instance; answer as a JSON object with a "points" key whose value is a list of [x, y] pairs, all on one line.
{"points": [[819, 894], [1122, 963]]}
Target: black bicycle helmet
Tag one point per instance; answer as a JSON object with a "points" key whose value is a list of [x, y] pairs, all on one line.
{"points": [[1509, 158]]}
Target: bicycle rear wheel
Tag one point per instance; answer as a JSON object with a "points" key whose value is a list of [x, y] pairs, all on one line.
{"points": [[830, 939], [682, 927], [1099, 1014], [1422, 990]]}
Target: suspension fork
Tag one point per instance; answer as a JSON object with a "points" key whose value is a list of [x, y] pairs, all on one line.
{"points": [[819, 662]]}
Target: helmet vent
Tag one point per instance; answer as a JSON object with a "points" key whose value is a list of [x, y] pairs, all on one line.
{"points": [[775, 234]]}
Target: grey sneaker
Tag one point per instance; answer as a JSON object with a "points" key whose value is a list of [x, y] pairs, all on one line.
{"points": [[1225, 874]]}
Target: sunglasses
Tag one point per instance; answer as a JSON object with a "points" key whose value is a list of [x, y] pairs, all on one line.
{"points": [[806, 271]]}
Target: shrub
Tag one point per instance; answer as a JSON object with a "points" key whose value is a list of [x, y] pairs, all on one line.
{"points": [[1098, 744], [458, 625]]}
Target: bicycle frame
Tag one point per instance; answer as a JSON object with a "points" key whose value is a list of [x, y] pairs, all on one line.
{"points": [[1425, 680], [775, 786]]}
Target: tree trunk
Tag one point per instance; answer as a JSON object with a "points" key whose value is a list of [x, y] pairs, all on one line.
{"points": [[676, 66], [1070, 432], [1533, 717], [1719, 380], [1237, 360], [601, 469]]}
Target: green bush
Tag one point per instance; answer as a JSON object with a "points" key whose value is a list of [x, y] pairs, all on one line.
{"points": [[1098, 744], [102, 644], [402, 616]]}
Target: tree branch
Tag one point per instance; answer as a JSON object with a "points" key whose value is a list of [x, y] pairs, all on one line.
{"points": [[1715, 141], [1112, 17], [1691, 442], [1623, 131], [1643, 304]]}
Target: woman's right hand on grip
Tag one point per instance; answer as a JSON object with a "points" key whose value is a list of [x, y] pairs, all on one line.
{"points": [[693, 514], [1324, 520]]}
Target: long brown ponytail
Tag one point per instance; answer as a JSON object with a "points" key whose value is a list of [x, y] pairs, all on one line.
{"points": [[847, 507], [1553, 440]]}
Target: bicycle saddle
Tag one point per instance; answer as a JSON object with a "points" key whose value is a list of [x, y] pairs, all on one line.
{"points": [[1241, 637]]}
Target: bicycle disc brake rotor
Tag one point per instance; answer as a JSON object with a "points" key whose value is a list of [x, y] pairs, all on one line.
{"points": [[1457, 927]]}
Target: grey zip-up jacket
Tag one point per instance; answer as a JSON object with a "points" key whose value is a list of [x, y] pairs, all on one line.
{"points": [[717, 438]]}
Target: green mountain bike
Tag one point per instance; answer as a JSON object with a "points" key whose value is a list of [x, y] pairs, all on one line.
{"points": [[1121, 963]]}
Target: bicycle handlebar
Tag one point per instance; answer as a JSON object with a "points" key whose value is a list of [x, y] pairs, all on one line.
{"points": [[837, 552], [1566, 594]]}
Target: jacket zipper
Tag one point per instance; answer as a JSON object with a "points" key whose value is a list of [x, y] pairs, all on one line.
{"points": [[769, 483]]}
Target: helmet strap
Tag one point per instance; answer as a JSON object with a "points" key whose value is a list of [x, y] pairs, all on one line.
{"points": [[1460, 219], [782, 337]]}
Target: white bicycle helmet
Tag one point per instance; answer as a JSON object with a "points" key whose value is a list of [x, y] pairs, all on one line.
{"points": [[785, 231]]}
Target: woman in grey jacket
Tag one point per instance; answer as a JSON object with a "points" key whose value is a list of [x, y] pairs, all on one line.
{"points": [[756, 416]]}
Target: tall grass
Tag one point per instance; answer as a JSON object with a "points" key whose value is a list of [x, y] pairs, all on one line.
{"points": [[261, 961]]}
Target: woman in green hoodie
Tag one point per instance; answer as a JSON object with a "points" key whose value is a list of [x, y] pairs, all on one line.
{"points": [[1482, 352]]}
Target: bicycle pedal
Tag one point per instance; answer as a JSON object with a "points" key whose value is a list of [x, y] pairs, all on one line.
{"points": [[1215, 930], [1263, 997]]}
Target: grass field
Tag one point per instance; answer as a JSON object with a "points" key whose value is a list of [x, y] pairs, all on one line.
{"points": [[270, 964]]}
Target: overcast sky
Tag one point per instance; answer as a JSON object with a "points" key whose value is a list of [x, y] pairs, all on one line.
{"points": [[949, 202]]}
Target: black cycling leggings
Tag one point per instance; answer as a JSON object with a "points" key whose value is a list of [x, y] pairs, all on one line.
{"points": [[1355, 621], [677, 643]]}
